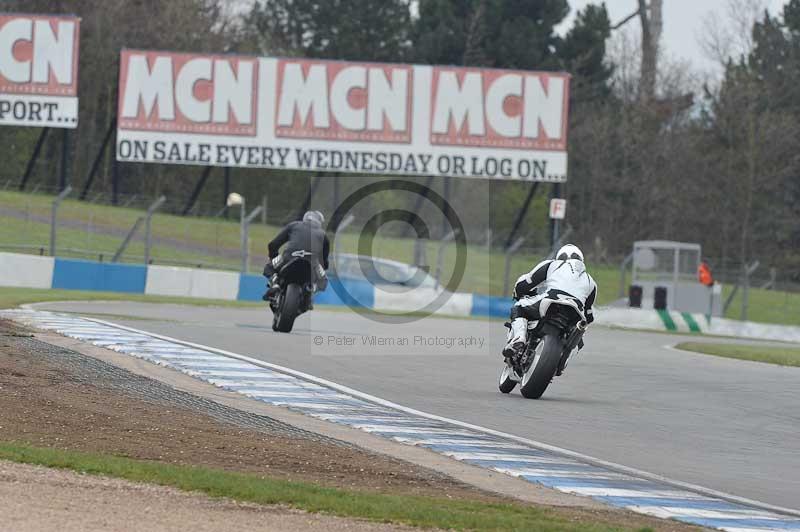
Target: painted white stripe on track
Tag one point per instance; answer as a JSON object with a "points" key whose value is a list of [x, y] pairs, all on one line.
{"points": [[591, 491], [668, 512]]}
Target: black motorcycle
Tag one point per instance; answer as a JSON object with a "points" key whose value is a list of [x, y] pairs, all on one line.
{"points": [[551, 341], [297, 284]]}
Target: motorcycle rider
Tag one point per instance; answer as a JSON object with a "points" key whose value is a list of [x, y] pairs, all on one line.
{"points": [[306, 237], [563, 277]]}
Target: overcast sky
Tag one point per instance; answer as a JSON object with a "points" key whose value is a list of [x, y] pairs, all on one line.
{"points": [[683, 21]]}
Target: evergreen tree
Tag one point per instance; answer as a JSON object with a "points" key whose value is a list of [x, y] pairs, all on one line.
{"points": [[357, 30], [582, 52]]}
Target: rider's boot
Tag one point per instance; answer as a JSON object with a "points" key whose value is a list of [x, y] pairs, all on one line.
{"points": [[518, 336]]}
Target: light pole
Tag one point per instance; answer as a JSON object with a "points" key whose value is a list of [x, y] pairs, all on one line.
{"points": [[237, 199], [233, 200]]}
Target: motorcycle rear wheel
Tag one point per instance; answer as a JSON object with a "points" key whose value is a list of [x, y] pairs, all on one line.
{"points": [[288, 310], [543, 368]]}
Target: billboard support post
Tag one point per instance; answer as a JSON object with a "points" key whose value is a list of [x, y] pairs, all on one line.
{"points": [[63, 177], [101, 152], [226, 188], [521, 214], [197, 189], [554, 222], [510, 250], [34, 157], [447, 185], [114, 180], [312, 189]]}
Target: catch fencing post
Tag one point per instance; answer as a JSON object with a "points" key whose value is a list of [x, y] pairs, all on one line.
{"points": [[148, 230], [54, 218], [748, 271], [349, 219], [449, 237], [623, 269], [509, 253], [245, 236]]}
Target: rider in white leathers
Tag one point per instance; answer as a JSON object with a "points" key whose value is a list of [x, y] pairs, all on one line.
{"points": [[563, 277]]}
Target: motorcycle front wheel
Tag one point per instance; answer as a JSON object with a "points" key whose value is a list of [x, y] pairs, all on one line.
{"points": [[506, 383]]}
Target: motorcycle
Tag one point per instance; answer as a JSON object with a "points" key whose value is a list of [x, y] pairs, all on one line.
{"points": [[296, 288], [551, 341]]}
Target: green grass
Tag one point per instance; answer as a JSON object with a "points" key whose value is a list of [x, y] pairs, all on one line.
{"points": [[782, 356], [14, 297], [766, 306], [484, 272], [411, 510]]}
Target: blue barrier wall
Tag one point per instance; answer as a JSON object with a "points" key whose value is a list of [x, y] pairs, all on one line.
{"points": [[73, 274], [251, 287], [347, 292], [496, 307]]}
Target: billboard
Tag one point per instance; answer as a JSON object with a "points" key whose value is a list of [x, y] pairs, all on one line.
{"points": [[39, 70], [336, 116]]}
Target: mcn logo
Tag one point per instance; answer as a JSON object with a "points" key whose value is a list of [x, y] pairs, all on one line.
{"points": [[501, 109], [344, 101], [186, 93], [39, 55]]}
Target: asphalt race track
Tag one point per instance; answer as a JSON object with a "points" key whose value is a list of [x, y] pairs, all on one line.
{"points": [[724, 424]]}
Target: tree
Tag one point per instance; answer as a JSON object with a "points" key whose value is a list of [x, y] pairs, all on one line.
{"points": [[358, 30], [582, 52], [498, 33], [651, 19]]}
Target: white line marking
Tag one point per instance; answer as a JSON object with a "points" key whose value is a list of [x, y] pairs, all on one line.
{"points": [[539, 445], [668, 512]]}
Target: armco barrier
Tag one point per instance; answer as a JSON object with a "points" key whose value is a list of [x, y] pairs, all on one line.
{"points": [[26, 271]]}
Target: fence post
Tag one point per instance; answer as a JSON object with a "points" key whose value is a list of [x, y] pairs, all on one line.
{"points": [[748, 271], [509, 253], [623, 269], [245, 235], [440, 254], [54, 218], [148, 230]]}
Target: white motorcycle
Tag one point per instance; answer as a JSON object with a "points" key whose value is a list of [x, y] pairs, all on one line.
{"points": [[551, 341]]}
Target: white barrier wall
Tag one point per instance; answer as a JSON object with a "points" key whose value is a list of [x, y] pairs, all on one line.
{"points": [[26, 271], [397, 300], [211, 284], [191, 282]]}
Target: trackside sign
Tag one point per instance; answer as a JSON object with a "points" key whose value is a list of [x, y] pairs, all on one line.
{"points": [[335, 116], [39, 70]]}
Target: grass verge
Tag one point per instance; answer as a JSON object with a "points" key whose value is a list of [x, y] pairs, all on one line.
{"points": [[782, 356], [403, 509], [14, 297]]}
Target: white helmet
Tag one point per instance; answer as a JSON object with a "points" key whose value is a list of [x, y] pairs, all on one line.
{"points": [[569, 252], [314, 218]]}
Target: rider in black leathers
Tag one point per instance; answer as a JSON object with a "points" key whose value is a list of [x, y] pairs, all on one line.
{"points": [[306, 237]]}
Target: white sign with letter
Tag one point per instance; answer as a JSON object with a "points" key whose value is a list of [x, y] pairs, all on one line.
{"points": [[558, 209]]}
